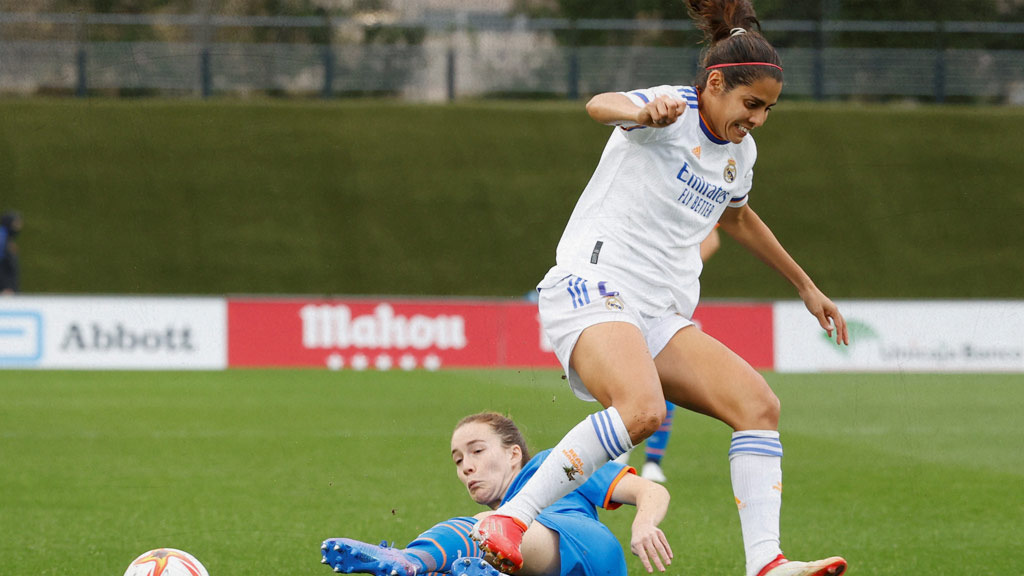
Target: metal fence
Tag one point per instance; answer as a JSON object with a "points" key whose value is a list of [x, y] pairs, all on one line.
{"points": [[454, 56]]}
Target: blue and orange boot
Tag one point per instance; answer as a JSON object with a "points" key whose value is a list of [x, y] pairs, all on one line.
{"points": [[347, 556]]}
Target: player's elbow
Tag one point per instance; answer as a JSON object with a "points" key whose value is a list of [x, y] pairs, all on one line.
{"points": [[594, 107], [656, 497], [602, 107], [662, 494]]}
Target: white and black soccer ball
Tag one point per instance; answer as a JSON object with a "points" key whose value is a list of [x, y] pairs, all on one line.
{"points": [[166, 562]]}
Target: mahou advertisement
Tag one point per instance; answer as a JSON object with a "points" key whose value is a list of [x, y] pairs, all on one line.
{"points": [[382, 334], [385, 334]]}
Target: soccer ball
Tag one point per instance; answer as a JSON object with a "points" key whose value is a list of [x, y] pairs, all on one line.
{"points": [[166, 562]]}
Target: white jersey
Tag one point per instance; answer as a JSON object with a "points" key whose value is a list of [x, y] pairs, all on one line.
{"points": [[655, 196]]}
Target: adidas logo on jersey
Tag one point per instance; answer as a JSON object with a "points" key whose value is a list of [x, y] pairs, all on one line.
{"points": [[696, 152]]}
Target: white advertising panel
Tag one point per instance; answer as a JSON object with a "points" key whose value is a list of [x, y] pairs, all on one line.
{"points": [[113, 332], [894, 336]]}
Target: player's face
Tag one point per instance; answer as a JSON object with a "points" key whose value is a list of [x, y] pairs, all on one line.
{"points": [[735, 113], [485, 467]]}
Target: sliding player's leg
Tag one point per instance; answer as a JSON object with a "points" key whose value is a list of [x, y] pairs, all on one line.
{"points": [[432, 551], [612, 362]]}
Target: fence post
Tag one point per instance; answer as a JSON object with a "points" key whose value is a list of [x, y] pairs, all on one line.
{"points": [[201, 34], [205, 74], [451, 74], [328, 60], [940, 62], [82, 84], [818, 68], [573, 88], [81, 58]]}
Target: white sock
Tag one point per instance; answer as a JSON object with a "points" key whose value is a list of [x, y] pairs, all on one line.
{"points": [[591, 444], [755, 461]]}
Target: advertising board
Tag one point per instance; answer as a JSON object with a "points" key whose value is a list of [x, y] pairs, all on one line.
{"points": [[402, 333], [112, 332], [910, 336]]}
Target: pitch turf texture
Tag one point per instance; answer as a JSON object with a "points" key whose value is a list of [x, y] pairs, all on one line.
{"points": [[250, 470], [378, 197]]}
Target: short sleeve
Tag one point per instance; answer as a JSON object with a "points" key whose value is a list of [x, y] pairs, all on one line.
{"points": [[599, 487], [741, 196], [749, 158], [641, 97]]}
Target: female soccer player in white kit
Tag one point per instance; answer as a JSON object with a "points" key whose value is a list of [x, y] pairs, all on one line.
{"points": [[617, 304]]}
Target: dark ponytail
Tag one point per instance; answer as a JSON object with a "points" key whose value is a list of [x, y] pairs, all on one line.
{"points": [[732, 35]]}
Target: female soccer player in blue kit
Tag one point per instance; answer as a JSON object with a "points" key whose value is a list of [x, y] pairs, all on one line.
{"points": [[493, 462], [618, 302]]}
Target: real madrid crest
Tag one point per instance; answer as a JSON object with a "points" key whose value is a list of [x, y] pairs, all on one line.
{"points": [[730, 171]]}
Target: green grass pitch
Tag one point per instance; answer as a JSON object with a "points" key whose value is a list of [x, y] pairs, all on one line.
{"points": [[250, 470]]}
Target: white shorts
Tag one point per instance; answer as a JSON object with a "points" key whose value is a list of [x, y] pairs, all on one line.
{"points": [[571, 304]]}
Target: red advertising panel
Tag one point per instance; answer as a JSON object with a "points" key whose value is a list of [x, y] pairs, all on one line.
{"points": [[384, 334], [388, 334], [745, 328]]}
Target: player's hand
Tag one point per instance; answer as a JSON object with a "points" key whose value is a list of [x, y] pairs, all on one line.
{"points": [[651, 546], [827, 314], [661, 112]]}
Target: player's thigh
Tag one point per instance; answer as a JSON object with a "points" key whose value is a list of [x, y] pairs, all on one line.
{"points": [[540, 552], [615, 365], [701, 374]]}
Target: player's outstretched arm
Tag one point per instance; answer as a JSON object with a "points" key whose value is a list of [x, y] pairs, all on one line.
{"points": [[615, 108], [747, 228], [647, 542]]}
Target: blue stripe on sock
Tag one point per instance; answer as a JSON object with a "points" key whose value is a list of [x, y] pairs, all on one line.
{"points": [[657, 442], [464, 527], [445, 542], [619, 448], [606, 434], [760, 441], [596, 423], [756, 445], [757, 451], [752, 437]]}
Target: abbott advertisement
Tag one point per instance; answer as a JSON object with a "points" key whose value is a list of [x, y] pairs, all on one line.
{"points": [[113, 333], [911, 336]]}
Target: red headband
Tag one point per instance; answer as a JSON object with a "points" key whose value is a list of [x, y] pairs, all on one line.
{"points": [[744, 64]]}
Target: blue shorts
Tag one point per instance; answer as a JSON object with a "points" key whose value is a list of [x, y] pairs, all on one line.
{"points": [[586, 547]]}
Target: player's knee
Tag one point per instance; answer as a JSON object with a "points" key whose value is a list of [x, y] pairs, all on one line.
{"points": [[771, 409], [765, 410], [645, 420], [760, 410]]}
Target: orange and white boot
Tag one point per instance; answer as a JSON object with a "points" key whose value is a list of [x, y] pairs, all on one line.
{"points": [[833, 566], [501, 536]]}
